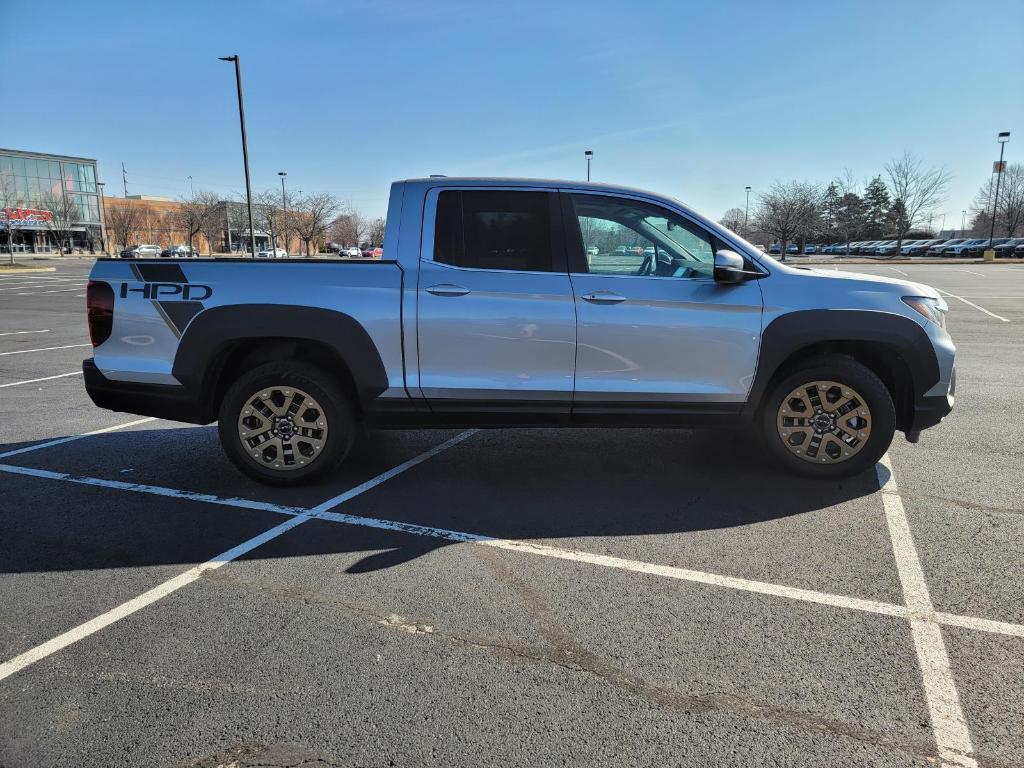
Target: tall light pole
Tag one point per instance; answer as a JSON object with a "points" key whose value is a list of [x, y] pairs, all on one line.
{"points": [[590, 156], [284, 204], [963, 222], [103, 217], [245, 148], [746, 211], [191, 189], [1003, 137]]}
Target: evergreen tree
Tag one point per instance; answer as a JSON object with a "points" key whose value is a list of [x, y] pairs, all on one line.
{"points": [[877, 209]]}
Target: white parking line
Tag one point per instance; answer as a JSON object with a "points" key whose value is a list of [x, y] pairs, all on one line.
{"points": [[170, 586], [972, 304], [44, 378], [22, 286], [72, 438], [19, 333], [43, 349], [322, 511], [970, 272], [905, 274], [949, 725]]}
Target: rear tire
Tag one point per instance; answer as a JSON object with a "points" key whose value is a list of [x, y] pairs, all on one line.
{"points": [[286, 423], [829, 418]]}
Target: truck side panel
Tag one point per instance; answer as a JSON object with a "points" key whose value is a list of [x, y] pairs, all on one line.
{"points": [[157, 301]]}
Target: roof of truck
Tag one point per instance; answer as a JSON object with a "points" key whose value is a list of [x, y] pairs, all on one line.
{"points": [[503, 181]]}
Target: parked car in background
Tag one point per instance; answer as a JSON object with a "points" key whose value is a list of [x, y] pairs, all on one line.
{"points": [[810, 249], [978, 249], [889, 248], [774, 249], [919, 247], [1018, 250], [938, 248], [959, 248], [141, 252], [378, 253], [1005, 249], [272, 253], [180, 252], [352, 253], [792, 248]]}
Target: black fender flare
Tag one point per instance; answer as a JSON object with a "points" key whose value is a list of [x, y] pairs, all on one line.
{"points": [[213, 331], [793, 331]]}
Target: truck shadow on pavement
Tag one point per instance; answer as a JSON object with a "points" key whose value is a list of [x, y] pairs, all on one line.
{"points": [[514, 484]]}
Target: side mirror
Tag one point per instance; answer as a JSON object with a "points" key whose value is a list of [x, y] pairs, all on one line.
{"points": [[729, 267]]}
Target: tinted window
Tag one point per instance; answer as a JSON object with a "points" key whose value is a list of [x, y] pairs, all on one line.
{"points": [[629, 237], [494, 230]]}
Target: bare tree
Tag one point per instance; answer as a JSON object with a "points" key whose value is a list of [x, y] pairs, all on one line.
{"points": [[732, 219], [125, 222], [270, 216], [788, 210], [1010, 216], [347, 229], [915, 192], [63, 218], [312, 215], [8, 201], [375, 232], [213, 223], [194, 213]]}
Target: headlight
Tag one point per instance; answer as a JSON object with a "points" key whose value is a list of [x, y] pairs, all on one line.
{"points": [[934, 309]]}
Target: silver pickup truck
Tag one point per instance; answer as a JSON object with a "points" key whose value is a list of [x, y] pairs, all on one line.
{"points": [[510, 302]]}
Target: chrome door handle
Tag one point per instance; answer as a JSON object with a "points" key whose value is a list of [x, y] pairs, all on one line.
{"points": [[603, 297], [447, 289]]}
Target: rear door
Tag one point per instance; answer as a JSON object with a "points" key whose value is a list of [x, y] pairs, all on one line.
{"points": [[653, 325], [496, 318]]}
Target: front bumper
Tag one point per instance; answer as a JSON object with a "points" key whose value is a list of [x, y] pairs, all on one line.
{"points": [[929, 410]]}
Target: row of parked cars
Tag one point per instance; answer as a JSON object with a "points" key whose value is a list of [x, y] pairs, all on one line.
{"points": [[1004, 247], [148, 251]]}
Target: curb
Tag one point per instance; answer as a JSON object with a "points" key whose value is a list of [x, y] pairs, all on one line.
{"points": [[25, 270]]}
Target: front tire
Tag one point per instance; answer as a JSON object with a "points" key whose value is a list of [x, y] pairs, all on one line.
{"points": [[829, 418], [286, 423]]}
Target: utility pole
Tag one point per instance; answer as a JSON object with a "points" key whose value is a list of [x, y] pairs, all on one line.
{"points": [[284, 206], [124, 179], [590, 156], [245, 148]]}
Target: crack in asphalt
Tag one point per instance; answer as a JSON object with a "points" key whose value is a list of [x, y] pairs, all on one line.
{"points": [[566, 653]]}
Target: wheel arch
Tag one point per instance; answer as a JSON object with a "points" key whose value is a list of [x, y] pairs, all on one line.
{"points": [[222, 342], [893, 347]]}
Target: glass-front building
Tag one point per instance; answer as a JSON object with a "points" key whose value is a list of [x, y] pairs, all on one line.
{"points": [[34, 185]]}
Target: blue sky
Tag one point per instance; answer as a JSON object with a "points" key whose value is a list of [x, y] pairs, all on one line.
{"points": [[695, 100]]}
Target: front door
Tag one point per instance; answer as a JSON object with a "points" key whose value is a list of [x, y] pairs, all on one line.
{"points": [[496, 320], [653, 325]]}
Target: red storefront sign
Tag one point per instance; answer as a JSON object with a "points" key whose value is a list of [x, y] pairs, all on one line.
{"points": [[27, 215]]}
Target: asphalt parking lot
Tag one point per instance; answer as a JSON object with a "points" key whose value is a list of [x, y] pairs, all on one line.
{"points": [[519, 597]]}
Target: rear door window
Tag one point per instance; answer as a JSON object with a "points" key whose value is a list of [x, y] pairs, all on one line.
{"points": [[497, 230]]}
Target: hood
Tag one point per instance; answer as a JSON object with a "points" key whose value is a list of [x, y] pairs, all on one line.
{"points": [[907, 287]]}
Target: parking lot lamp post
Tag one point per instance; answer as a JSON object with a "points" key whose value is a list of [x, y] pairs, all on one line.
{"points": [[245, 148], [284, 202], [1003, 137], [963, 222], [590, 156], [103, 217], [746, 212]]}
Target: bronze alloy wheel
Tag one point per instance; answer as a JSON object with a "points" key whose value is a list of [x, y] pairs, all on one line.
{"points": [[824, 422], [282, 428]]}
